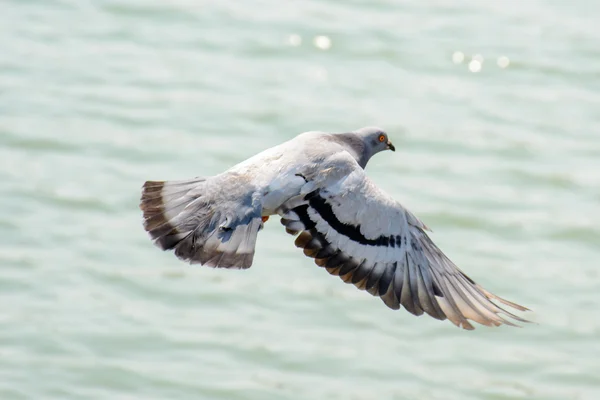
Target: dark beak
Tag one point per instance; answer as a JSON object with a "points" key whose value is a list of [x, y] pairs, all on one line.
{"points": [[390, 146]]}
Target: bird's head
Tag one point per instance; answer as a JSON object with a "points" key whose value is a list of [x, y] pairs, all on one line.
{"points": [[364, 143], [375, 140]]}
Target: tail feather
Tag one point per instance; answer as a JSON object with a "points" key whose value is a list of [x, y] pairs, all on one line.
{"points": [[201, 222]]}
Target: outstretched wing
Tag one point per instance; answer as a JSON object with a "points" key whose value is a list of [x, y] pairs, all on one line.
{"points": [[358, 232]]}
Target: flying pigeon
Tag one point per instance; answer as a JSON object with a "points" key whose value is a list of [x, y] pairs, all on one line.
{"points": [[317, 184]]}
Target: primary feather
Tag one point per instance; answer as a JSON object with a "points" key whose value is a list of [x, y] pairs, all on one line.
{"points": [[317, 184]]}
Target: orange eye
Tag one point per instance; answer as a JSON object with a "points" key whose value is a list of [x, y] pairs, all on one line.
{"points": [[381, 138]]}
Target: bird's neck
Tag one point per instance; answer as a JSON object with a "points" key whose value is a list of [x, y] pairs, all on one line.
{"points": [[355, 146]]}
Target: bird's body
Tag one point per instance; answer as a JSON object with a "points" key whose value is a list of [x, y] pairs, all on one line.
{"points": [[317, 184]]}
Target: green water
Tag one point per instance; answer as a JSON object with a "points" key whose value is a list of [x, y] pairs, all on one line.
{"points": [[502, 163]]}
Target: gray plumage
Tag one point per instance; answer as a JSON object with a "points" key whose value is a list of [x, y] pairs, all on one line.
{"points": [[316, 183]]}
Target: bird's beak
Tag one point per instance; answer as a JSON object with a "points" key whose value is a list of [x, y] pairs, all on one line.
{"points": [[390, 146]]}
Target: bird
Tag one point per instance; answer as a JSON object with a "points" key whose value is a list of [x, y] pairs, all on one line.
{"points": [[316, 183]]}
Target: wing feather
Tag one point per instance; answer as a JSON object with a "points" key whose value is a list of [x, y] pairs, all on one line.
{"points": [[358, 232]]}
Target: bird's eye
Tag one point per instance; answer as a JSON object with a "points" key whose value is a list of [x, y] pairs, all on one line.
{"points": [[381, 138]]}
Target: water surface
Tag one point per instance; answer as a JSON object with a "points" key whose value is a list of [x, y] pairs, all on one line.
{"points": [[98, 96]]}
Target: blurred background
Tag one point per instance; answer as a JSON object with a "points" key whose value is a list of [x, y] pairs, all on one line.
{"points": [[493, 108]]}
